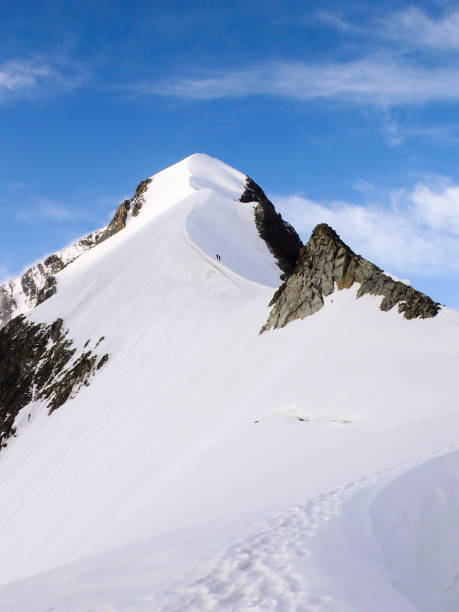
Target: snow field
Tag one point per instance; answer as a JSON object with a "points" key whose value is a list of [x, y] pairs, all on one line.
{"points": [[208, 467]]}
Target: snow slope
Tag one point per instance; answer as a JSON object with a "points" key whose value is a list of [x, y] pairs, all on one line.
{"points": [[210, 468]]}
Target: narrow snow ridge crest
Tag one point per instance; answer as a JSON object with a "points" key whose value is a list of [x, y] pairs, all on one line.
{"points": [[210, 173], [194, 173]]}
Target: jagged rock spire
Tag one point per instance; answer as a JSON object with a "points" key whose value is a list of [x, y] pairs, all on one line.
{"points": [[326, 263]]}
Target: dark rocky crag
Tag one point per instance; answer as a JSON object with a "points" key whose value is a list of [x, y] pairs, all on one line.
{"points": [[280, 237], [38, 283], [138, 199], [120, 217], [39, 362], [326, 262]]}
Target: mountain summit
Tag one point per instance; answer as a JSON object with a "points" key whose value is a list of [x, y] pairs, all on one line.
{"points": [[225, 217], [159, 453], [324, 261], [197, 174]]}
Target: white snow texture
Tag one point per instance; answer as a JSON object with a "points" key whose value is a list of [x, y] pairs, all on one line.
{"points": [[207, 467]]}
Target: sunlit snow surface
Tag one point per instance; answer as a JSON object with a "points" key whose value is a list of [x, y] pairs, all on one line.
{"points": [[210, 468]]}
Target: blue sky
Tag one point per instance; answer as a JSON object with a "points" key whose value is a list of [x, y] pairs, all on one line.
{"points": [[345, 112]]}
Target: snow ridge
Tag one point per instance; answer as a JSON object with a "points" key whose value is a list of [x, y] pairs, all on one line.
{"points": [[21, 294]]}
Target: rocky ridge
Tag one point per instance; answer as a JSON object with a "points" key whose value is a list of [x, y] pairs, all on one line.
{"points": [[38, 283], [326, 263], [280, 237], [40, 362]]}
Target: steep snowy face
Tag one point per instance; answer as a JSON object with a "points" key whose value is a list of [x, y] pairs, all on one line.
{"points": [[37, 283]]}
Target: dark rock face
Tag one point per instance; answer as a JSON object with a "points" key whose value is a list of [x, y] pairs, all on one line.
{"points": [[48, 289], [138, 199], [28, 283], [280, 237], [325, 261], [54, 263], [117, 223], [39, 362], [7, 305], [119, 220]]}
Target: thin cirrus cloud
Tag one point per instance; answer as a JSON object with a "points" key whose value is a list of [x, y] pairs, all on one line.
{"points": [[50, 210], [44, 209], [334, 21], [414, 27], [386, 79], [410, 27], [395, 133], [379, 81], [29, 78], [418, 233], [15, 186]]}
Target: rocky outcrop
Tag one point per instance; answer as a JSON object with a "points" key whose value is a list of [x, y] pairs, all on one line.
{"points": [[120, 218], [138, 198], [326, 263], [48, 289], [118, 222], [40, 362], [38, 283], [53, 263], [8, 304], [280, 237]]}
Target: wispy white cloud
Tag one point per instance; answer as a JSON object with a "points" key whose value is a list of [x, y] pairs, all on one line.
{"points": [[396, 132], [412, 26], [332, 20], [15, 186], [58, 212], [416, 233], [392, 131], [363, 186], [382, 81], [28, 78], [46, 209]]}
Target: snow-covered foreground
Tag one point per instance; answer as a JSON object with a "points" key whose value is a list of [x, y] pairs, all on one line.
{"points": [[210, 468], [388, 541]]}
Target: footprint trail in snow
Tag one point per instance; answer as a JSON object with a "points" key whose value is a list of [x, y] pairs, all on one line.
{"points": [[262, 571], [268, 568]]}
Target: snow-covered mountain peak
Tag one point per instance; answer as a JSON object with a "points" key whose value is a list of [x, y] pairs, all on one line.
{"points": [[145, 423], [199, 171], [207, 197], [210, 173]]}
